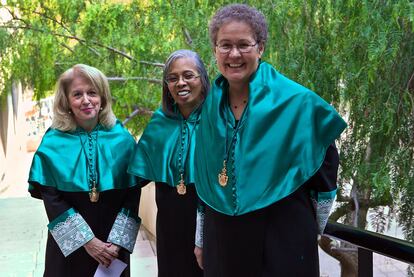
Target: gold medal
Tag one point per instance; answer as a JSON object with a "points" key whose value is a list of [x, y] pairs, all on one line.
{"points": [[94, 194], [181, 188], [222, 177]]}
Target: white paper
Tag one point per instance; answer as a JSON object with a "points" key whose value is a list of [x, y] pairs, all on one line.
{"points": [[114, 270]]}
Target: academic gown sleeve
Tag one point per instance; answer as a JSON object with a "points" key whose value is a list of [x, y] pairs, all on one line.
{"points": [[66, 225], [125, 228], [323, 187]]}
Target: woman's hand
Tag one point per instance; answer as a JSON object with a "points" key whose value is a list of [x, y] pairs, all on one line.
{"points": [[114, 249], [198, 252], [101, 251]]}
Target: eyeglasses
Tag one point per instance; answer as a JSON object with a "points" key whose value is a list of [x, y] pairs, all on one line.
{"points": [[226, 48], [187, 77]]}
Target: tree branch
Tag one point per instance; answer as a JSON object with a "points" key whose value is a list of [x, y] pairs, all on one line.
{"points": [[60, 23], [137, 111], [125, 79], [187, 36], [152, 63], [71, 36], [341, 211], [67, 47], [342, 198], [410, 84]]}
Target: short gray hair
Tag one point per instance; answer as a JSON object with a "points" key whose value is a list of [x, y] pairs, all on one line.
{"points": [[242, 13], [167, 100]]}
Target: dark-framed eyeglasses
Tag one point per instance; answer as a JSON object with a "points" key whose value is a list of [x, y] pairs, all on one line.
{"points": [[225, 48], [174, 79]]}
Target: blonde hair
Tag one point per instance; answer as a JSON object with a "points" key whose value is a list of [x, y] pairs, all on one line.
{"points": [[63, 120]]}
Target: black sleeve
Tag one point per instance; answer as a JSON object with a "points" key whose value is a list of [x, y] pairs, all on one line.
{"points": [[132, 199], [54, 203], [325, 178]]}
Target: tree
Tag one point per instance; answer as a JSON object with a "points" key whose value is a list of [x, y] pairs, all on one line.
{"points": [[128, 41], [358, 55]]}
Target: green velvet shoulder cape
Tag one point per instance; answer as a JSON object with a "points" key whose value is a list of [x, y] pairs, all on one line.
{"points": [[281, 142], [60, 160], [156, 156]]}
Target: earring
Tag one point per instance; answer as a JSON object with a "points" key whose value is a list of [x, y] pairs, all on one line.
{"points": [[69, 112], [100, 108]]}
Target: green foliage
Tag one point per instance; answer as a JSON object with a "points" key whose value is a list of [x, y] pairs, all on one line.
{"points": [[358, 55]]}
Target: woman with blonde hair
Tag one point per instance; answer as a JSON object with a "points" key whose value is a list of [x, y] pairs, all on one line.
{"points": [[80, 173]]}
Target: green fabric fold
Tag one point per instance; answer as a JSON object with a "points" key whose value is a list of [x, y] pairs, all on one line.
{"points": [[157, 154], [281, 142], [61, 161]]}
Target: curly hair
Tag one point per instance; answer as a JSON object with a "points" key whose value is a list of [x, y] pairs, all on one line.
{"points": [[167, 101], [63, 119], [242, 13]]}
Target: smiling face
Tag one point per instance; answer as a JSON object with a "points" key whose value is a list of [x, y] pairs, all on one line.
{"points": [[235, 66], [84, 102], [184, 85]]}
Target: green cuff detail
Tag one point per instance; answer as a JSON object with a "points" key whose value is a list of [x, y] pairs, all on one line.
{"points": [[125, 230], [328, 195], [70, 231], [323, 202]]}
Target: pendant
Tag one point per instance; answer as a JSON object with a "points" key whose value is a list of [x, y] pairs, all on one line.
{"points": [[94, 194], [181, 188], [222, 177]]}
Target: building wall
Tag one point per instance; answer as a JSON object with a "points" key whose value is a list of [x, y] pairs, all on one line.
{"points": [[12, 138], [148, 207]]}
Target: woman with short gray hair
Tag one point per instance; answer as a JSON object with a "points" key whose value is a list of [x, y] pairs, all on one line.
{"points": [[266, 163]]}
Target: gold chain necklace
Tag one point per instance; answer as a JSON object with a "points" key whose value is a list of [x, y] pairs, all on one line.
{"points": [[222, 176], [181, 187]]}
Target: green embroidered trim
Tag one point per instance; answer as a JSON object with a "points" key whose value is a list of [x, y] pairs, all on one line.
{"points": [[62, 217], [125, 230], [326, 195], [70, 231], [323, 202], [199, 238]]}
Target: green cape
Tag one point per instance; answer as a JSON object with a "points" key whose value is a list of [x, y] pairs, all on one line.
{"points": [[60, 160], [282, 140], [157, 154]]}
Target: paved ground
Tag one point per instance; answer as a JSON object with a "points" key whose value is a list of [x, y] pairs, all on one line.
{"points": [[23, 236]]}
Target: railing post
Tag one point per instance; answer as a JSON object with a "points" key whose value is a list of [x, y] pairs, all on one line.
{"points": [[365, 265]]}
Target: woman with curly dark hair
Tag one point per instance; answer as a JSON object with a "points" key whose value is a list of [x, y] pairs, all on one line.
{"points": [[266, 162]]}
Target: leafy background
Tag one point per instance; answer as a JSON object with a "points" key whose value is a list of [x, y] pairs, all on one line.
{"points": [[358, 55]]}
